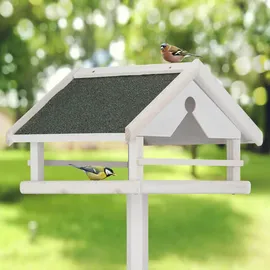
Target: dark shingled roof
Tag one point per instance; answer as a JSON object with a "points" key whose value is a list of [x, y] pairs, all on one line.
{"points": [[97, 105]]}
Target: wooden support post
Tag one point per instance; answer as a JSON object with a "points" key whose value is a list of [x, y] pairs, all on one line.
{"points": [[37, 161], [233, 153], [137, 212]]}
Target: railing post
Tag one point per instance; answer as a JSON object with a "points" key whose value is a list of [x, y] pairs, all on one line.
{"points": [[37, 161], [233, 153], [137, 212]]}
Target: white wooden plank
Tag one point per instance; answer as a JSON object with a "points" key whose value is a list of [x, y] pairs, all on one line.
{"points": [[137, 213], [131, 70], [137, 232], [140, 168], [195, 187], [143, 202], [193, 140], [233, 152], [208, 82], [136, 187], [37, 161], [40, 104], [111, 164], [160, 102], [195, 162], [79, 187], [149, 140], [93, 137], [132, 160]]}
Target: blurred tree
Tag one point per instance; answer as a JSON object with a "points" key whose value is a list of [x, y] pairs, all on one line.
{"points": [[257, 31], [39, 36]]}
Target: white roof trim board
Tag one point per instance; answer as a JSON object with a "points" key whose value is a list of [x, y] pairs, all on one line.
{"points": [[131, 70], [193, 71], [75, 137], [210, 85]]}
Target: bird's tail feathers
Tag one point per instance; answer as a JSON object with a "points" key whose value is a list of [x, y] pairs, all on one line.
{"points": [[81, 168], [192, 54]]}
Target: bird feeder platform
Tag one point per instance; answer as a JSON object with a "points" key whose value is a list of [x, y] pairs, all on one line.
{"points": [[163, 104]]}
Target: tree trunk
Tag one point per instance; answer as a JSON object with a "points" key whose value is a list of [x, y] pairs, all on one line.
{"points": [[265, 148]]}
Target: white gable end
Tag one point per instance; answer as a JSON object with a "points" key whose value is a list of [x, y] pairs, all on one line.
{"points": [[189, 132], [213, 122]]}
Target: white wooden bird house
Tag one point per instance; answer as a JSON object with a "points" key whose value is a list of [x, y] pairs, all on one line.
{"points": [[163, 104]]}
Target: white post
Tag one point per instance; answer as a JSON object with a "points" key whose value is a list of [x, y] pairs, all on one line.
{"points": [[37, 161], [137, 212], [233, 152]]}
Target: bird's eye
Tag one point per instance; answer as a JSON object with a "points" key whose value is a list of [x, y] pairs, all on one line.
{"points": [[163, 46]]}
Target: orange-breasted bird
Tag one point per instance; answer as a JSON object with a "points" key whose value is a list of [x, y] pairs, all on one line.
{"points": [[173, 54]]}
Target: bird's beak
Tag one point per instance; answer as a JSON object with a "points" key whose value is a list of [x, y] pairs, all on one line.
{"points": [[114, 174]]}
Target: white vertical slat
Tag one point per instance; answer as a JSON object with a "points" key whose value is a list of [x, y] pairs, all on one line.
{"points": [[137, 213], [233, 153], [144, 198], [37, 161]]}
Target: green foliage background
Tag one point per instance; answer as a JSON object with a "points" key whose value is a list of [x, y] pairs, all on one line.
{"points": [[38, 36]]}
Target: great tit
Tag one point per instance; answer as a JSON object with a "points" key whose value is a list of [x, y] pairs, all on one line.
{"points": [[97, 172]]}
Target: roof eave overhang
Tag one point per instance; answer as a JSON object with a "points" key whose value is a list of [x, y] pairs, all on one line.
{"points": [[80, 137], [209, 83]]}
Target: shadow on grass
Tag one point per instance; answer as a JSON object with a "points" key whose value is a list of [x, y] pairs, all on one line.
{"points": [[186, 226], [196, 228], [11, 173]]}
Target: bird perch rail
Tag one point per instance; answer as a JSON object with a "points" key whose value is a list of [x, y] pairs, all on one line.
{"points": [[191, 162], [136, 187], [148, 161], [116, 164]]}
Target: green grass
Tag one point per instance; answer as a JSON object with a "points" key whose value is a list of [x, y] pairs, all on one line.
{"points": [[191, 232]]}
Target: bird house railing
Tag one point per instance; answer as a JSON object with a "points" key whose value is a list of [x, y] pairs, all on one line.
{"points": [[115, 164], [137, 185], [196, 162]]}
